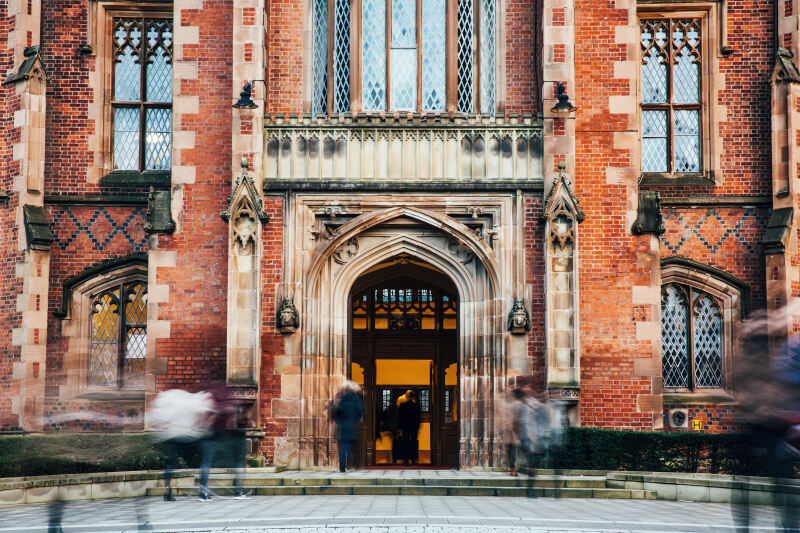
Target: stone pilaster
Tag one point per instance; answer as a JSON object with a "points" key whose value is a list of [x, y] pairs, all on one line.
{"points": [[29, 80]]}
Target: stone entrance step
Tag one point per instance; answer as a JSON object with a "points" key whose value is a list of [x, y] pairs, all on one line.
{"points": [[413, 483]]}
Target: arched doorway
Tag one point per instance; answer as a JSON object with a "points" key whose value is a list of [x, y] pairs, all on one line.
{"points": [[404, 336]]}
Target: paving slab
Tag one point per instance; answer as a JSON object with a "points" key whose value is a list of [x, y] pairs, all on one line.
{"points": [[381, 514]]}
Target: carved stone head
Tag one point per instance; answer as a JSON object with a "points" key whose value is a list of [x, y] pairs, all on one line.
{"points": [[288, 318], [519, 322]]}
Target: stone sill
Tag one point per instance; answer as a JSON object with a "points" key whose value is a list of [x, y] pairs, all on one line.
{"points": [[112, 395], [677, 180], [711, 396], [134, 178]]}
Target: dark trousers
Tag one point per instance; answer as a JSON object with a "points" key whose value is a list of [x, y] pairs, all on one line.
{"points": [[173, 450], [346, 451]]}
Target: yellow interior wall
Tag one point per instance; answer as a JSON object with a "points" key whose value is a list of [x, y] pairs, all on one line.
{"points": [[451, 375], [403, 372], [357, 373]]}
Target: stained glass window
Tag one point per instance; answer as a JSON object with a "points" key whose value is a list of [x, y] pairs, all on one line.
{"points": [[404, 50], [142, 93], [691, 339], [118, 337], [671, 84]]}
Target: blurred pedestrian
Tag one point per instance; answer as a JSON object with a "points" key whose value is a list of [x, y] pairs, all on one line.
{"points": [[225, 438], [408, 419], [768, 394], [513, 428], [347, 412], [181, 419]]}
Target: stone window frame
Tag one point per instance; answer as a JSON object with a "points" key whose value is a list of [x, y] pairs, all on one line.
{"points": [[713, 39], [732, 296], [76, 328], [451, 67], [100, 41]]}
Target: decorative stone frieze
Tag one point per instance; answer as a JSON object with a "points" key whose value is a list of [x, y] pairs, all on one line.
{"points": [[429, 149]]}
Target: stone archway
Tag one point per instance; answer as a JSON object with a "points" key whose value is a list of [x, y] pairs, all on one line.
{"points": [[334, 246]]}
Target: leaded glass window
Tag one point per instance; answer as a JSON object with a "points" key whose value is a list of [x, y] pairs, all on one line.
{"points": [[671, 88], [142, 94], [118, 337], [405, 56], [403, 308], [691, 339]]}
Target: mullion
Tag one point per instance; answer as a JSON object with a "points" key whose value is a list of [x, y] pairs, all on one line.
{"points": [[670, 66], [142, 95], [690, 325], [121, 340]]}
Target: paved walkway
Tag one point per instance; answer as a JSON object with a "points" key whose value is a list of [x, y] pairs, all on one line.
{"points": [[380, 514]]}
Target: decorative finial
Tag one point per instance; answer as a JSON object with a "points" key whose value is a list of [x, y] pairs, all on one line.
{"points": [[245, 163]]}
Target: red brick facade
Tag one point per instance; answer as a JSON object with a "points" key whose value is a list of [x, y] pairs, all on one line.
{"points": [[719, 224]]}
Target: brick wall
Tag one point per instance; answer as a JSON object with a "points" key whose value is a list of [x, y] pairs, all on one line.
{"points": [[534, 278], [272, 344], [197, 308], [723, 237], [608, 253], [285, 56], [10, 285], [523, 63], [69, 98], [85, 236]]}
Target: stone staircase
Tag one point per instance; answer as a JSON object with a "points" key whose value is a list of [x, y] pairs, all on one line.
{"points": [[547, 483]]}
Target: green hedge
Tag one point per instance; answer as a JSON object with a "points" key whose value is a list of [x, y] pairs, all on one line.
{"points": [[583, 448], [39, 455], [602, 449]]}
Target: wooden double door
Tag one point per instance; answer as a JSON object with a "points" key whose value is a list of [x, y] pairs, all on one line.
{"points": [[405, 337]]}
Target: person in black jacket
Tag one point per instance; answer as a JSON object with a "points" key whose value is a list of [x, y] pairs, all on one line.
{"points": [[347, 412], [408, 418]]}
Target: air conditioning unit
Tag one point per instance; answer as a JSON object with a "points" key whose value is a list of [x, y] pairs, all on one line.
{"points": [[679, 418]]}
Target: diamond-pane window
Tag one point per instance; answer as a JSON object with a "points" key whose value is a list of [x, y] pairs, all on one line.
{"points": [[319, 58], [118, 337], [691, 342], [671, 103], [433, 60], [466, 63], [373, 55], [142, 96], [406, 48], [488, 63]]}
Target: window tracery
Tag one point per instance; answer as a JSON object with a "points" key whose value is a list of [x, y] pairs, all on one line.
{"points": [[118, 336], [142, 93]]}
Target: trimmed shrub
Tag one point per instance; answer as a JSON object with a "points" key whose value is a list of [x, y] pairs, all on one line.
{"points": [[604, 449]]}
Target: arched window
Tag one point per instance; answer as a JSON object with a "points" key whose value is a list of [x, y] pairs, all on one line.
{"points": [[118, 336], [404, 55], [691, 338]]}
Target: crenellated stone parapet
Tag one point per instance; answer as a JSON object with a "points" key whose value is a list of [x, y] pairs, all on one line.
{"points": [[408, 148]]}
